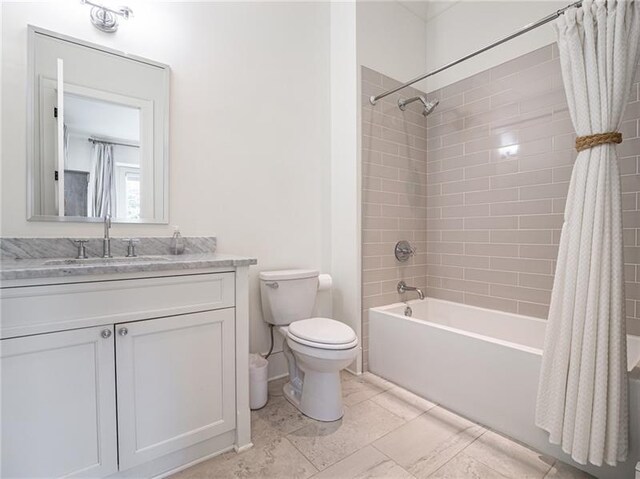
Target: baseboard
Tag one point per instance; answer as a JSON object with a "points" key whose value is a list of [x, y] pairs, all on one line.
{"points": [[175, 461], [246, 447], [350, 371], [193, 463]]}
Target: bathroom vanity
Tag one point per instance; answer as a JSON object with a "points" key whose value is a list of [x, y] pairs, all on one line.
{"points": [[124, 367], [131, 366]]}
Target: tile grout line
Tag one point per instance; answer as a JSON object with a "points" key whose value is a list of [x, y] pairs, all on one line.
{"points": [[318, 470], [392, 460], [402, 425], [513, 441], [355, 378], [471, 457], [551, 468], [360, 450], [301, 452]]}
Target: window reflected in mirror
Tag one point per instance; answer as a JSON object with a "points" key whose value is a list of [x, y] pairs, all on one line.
{"points": [[102, 158], [99, 126]]}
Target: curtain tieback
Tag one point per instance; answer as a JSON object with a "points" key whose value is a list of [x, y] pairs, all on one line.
{"points": [[589, 141]]}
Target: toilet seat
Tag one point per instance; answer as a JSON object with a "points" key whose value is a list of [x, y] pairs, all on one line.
{"points": [[322, 333], [322, 353]]}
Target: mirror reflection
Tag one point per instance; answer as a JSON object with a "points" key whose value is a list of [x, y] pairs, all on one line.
{"points": [[99, 128], [102, 160]]}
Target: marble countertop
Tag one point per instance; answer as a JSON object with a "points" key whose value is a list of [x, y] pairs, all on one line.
{"points": [[36, 258], [30, 268]]}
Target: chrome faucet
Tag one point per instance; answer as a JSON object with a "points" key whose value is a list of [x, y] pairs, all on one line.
{"points": [[106, 241], [403, 288]]}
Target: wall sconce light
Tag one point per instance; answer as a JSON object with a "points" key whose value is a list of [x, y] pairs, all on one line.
{"points": [[104, 18]]}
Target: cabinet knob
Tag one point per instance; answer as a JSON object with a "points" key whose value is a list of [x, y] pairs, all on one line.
{"points": [[123, 331], [106, 333]]}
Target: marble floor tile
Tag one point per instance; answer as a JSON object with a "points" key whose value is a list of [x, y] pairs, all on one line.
{"points": [[385, 433], [275, 459], [278, 417], [445, 452], [367, 463], [560, 470], [426, 443], [325, 443], [403, 403], [356, 389], [508, 457], [464, 467]]}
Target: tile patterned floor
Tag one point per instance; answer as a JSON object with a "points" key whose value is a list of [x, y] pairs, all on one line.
{"points": [[386, 432]]}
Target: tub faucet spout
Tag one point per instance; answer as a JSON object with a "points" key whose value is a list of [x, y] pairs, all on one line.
{"points": [[403, 288]]}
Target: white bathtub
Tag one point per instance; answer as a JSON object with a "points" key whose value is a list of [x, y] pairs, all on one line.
{"points": [[482, 364]]}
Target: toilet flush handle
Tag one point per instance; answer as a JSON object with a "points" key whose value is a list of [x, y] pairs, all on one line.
{"points": [[273, 284]]}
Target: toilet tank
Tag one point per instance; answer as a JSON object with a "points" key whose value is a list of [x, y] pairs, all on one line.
{"points": [[288, 295]]}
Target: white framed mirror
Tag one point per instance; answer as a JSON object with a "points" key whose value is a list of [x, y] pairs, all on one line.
{"points": [[97, 133]]}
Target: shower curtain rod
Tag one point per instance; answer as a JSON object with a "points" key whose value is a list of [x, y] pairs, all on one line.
{"points": [[374, 98], [96, 140]]}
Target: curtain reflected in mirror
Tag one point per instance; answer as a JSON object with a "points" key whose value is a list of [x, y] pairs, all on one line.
{"points": [[102, 158], [98, 130]]}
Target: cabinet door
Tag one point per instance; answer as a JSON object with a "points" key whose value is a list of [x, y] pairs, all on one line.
{"points": [[59, 405], [175, 383]]}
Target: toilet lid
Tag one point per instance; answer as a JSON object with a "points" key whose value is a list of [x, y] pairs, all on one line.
{"points": [[323, 332]]}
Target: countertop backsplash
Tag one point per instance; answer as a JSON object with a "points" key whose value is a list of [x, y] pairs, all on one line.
{"points": [[30, 248]]}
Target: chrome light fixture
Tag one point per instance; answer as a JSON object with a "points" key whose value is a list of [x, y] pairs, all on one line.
{"points": [[104, 18]]}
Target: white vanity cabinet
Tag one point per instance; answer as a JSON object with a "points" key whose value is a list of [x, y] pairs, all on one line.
{"points": [[153, 375], [176, 383], [59, 404]]}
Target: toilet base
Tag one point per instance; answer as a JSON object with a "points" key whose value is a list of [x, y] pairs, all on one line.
{"points": [[291, 395], [321, 397], [314, 386]]}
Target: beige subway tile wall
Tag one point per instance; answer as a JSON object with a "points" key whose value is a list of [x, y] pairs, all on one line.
{"points": [[394, 189], [500, 154]]}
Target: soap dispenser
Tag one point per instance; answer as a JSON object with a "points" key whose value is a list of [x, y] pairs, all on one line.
{"points": [[177, 242]]}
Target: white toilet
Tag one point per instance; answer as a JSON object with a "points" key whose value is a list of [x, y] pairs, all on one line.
{"points": [[317, 349]]}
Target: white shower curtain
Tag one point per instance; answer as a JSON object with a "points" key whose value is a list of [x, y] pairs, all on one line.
{"points": [[582, 397], [101, 195]]}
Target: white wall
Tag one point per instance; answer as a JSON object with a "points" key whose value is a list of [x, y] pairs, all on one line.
{"points": [[262, 107], [469, 25], [79, 153], [396, 42], [250, 139], [391, 39], [345, 171]]}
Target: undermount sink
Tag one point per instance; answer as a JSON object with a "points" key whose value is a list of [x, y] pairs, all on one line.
{"points": [[104, 261]]}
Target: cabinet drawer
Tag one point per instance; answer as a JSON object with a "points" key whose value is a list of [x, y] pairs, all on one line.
{"points": [[38, 309]]}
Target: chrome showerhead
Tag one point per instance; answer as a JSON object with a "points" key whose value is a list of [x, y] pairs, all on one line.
{"points": [[428, 105]]}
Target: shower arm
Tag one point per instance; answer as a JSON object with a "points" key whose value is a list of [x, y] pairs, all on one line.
{"points": [[402, 104], [374, 98]]}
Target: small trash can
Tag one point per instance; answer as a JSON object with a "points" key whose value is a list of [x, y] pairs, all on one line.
{"points": [[258, 372]]}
